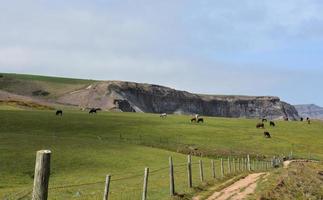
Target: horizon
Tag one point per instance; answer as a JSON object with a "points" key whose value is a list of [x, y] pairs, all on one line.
{"points": [[252, 48]]}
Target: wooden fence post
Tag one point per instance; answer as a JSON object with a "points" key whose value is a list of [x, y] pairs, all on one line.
{"points": [[249, 167], [171, 177], [243, 164], [229, 166], [41, 176], [234, 165], [145, 187], [222, 168], [189, 171], [107, 187], [213, 169], [239, 166], [201, 171]]}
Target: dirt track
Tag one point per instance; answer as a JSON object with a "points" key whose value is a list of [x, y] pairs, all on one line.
{"points": [[240, 189]]}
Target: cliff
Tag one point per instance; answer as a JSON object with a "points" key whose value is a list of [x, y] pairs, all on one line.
{"points": [[310, 110], [135, 97]]}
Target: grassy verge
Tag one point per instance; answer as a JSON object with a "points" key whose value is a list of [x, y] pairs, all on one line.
{"points": [[299, 181]]}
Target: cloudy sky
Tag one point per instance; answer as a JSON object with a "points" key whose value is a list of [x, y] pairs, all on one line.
{"points": [[249, 47]]}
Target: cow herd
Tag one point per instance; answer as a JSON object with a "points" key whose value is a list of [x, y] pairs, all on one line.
{"points": [[273, 124], [92, 111], [198, 119]]}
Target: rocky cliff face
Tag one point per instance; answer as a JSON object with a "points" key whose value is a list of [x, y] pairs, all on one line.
{"points": [[134, 97], [310, 110]]}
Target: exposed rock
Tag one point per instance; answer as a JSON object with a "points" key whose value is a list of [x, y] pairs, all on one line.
{"points": [[135, 97], [310, 110]]}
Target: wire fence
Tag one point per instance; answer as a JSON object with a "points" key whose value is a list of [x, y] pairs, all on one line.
{"points": [[124, 187]]}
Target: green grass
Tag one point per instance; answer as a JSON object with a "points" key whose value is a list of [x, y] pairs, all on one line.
{"points": [[51, 79], [87, 147], [299, 181], [24, 84]]}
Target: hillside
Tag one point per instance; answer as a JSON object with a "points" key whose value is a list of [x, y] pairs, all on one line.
{"points": [[137, 97], [87, 147], [310, 110]]}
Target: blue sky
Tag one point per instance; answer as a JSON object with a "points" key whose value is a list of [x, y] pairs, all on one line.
{"points": [[248, 47]]}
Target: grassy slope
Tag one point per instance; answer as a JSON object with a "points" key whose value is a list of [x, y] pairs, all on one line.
{"points": [[85, 147], [299, 181], [23, 84]]}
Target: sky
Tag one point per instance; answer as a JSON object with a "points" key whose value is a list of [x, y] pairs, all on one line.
{"points": [[243, 47]]}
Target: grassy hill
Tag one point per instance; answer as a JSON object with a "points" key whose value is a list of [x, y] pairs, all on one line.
{"points": [[86, 148], [40, 86]]}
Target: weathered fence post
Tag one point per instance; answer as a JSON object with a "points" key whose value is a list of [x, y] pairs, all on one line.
{"points": [[145, 187], [189, 171], [201, 171], [41, 176], [171, 177], [222, 168], [249, 166], [213, 169], [234, 165], [107, 187], [229, 166]]}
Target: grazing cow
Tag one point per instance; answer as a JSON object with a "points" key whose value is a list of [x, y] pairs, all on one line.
{"points": [[264, 120], [94, 110], [200, 120], [260, 125], [302, 119], [163, 115], [272, 123], [59, 113], [193, 120], [267, 134]]}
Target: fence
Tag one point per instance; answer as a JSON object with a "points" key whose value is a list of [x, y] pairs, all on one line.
{"points": [[149, 183]]}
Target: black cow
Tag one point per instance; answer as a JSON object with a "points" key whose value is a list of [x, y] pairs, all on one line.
{"points": [[264, 120], [59, 113], [260, 125], [200, 120], [272, 124], [267, 134], [94, 110]]}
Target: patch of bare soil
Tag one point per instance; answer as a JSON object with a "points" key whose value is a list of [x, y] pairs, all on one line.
{"points": [[240, 189]]}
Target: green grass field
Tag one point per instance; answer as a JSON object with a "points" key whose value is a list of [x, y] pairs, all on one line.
{"points": [[24, 84], [86, 148]]}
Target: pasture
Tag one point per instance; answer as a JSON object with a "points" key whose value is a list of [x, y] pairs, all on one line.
{"points": [[87, 147]]}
